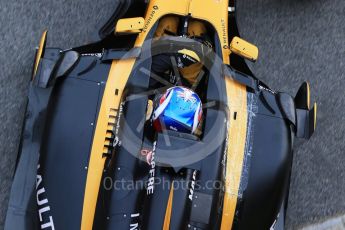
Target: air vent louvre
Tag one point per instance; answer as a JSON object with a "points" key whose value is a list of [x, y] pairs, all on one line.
{"points": [[110, 136]]}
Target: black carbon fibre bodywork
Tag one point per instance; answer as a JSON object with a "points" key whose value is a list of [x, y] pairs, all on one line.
{"points": [[270, 166], [63, 108]]}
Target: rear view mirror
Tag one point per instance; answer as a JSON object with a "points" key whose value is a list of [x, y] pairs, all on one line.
{"points": [[130, 25], [244, 49]]}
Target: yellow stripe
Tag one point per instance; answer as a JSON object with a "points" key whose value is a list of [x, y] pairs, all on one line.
{"points": [[129, 25], [166, 225], [315, 115], [308, 95], [190, 53], [237, 99], [40, 52], [237, 102]]}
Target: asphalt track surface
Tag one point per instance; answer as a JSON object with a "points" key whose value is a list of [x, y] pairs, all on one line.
{"points": [[298, 40]]}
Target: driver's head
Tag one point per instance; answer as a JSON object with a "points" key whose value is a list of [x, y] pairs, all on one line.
{"points": [[178, 109]]}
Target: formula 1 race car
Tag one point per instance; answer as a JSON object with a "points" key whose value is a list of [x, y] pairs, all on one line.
{"points": [[159, 124]]}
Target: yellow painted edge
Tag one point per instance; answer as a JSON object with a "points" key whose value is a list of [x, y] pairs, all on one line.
{"points": [[237, 133], [245, 49], [167, 218], [130, 24], [39, 52], [308, 95], [315, 115], [149, 109], [190, 53]]}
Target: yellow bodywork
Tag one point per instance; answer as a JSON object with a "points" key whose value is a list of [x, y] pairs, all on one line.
{"points": [[217, 15], [308, 95], [40, 52], [168, 211], [237, 131], [315, 115], [130, 25], [244, 49]]}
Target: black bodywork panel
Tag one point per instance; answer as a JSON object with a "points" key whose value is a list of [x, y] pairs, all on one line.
{"points": [[67, 146], [59, 129]]}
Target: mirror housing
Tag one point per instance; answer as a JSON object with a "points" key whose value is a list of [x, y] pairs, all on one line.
{"points": [[130, 25], [244, 49]]}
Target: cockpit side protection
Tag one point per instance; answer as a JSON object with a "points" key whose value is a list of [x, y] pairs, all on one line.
{"points": [[50, 69], [297, 111]]}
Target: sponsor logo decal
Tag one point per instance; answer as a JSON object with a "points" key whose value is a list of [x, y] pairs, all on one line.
{"points": [[147, 154], [135, 225], [149, 20], [151, 162], [99, 55], [46, 220], [225, 154], [266, 89], [117, 142], [191, 190], [224, 34]]}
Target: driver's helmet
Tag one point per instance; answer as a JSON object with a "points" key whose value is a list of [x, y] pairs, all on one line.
{"points": [[178, 109]]}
